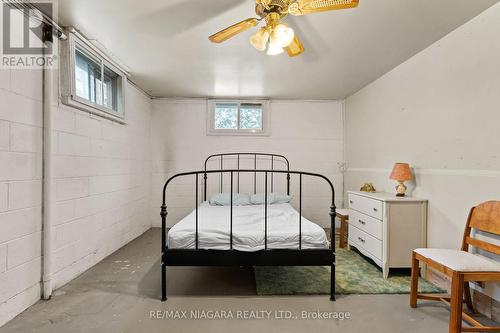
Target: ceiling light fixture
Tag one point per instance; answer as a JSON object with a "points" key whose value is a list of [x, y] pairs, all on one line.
{"points": [[274, 47], [277, 38], [260, 39], [273, 12], [284, 35]]}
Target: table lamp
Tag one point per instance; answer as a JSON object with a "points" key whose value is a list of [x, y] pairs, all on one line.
{"points": [[401, 173]]}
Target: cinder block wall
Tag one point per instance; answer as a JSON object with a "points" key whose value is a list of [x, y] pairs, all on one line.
{"points": [[180, 143], [20, 190], [102, 186]]}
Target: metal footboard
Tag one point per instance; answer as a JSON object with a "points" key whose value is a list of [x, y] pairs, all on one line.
{"points": [[266, 257]]}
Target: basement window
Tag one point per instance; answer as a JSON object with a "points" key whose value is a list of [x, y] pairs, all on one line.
{"points": [[237, 118], [91, 81]]}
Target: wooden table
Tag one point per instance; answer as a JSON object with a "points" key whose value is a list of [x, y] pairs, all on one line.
{"points": [[343, 215]]}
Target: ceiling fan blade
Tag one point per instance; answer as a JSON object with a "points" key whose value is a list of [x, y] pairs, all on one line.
{"points": [[295, 48], [233, 30], [303, 7]]}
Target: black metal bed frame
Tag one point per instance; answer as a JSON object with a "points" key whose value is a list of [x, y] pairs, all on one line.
{"points": [[271, 157], [231, 257]]}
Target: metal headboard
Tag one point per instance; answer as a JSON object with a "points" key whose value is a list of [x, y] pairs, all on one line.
{"points": [[231, 172], [273, 158]]}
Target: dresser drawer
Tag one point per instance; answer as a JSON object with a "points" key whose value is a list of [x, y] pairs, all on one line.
{"points": [[368, 224], [370, 207], [365, 242]]}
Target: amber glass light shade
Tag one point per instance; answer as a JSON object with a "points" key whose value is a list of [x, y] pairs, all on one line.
{"points": [[401, 172]]}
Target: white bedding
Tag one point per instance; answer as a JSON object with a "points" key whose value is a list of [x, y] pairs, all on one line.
{"points": [[248, 229]]}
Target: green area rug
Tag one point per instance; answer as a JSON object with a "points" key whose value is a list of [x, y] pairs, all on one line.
{"points": [[354, 275]]}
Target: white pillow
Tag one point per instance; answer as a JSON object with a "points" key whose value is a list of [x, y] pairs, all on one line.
{"points": [[272, 198], [224, 199]]}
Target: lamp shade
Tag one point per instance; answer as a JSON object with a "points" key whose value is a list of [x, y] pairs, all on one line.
{"points": [[401, 172], [284, 35], [259, 40], [274, 48]]}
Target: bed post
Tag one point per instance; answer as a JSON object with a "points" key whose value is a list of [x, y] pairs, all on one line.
{"points": [[163, 250], [265, 211], [272, 173], [231, 214], [332, 235], [255, 174], [205, 186], [221, 174], [300, 212], [287, 184], [205, 180]]}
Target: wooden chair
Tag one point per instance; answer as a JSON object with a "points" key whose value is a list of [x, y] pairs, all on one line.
{"points": [[343, 215], [463, 267]]}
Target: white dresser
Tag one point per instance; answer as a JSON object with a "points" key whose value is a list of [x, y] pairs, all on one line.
{"points": [[387, 228]]}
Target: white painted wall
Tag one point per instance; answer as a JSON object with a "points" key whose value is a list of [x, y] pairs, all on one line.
{"points": [[20, 190], [102, 186], [438, 111], [309, 133]]}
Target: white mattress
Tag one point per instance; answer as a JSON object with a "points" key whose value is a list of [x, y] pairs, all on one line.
{"points": [[248, 229]]}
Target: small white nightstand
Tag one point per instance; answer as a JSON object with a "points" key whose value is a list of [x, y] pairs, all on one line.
{"points": [[387, 228]]}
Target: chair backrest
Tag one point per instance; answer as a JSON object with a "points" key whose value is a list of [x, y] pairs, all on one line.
{"points": [[484, 217]]}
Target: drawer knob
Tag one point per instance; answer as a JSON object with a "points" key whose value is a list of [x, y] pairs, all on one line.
{"points": [[361, 240], [362, 222], [375, 209], [350, 201]]}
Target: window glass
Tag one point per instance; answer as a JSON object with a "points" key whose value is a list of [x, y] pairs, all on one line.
{"points": [[94, 85], [251, 116], [110, 89], [238, 118], [226, 116], [87, 78]]}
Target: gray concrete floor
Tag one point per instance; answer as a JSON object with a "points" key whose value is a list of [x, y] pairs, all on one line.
{"points": [[119, 294]]}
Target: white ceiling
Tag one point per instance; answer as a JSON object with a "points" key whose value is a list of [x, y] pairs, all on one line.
{"points": [[165, 44]]}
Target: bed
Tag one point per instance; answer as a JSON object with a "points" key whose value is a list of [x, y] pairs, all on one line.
{"points": [[259, 234], [248, 229]]}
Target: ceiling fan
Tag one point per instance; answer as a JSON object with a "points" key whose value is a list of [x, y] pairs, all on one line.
{"points": [[276, 36]]}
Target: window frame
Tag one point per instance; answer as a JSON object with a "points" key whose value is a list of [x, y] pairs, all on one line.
{"points": [[68, 78], [211, 130]]}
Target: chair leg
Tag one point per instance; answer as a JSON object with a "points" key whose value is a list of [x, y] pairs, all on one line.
{"points": [[346, 237], [342, 239], [457, 286], [468, 297], [414, 281]]}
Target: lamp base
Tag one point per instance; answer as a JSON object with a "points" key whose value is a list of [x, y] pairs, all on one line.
{"points": [[401, 189]]}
